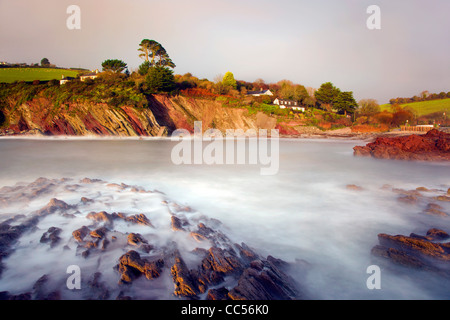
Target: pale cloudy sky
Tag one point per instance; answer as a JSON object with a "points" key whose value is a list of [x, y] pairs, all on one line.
{"points": [[307, 42]]}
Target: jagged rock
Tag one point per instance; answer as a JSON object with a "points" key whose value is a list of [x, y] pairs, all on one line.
{"points": [[86, 200], [131, 266], [139, 219], [99, 290], [437, 235], [53, 206], [52, 236], [415, 251], [89, 180], [263, 280], [5, 295], [177, 224], [185, 284], [99, 233], [101, 216], [435, 210], [433, 146], [442, 198], [218, 294], [135, 239], [410, 199], [10, 234], [80, 233]]}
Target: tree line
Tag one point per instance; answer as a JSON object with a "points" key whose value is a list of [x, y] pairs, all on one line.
{"points": [[424, 96]]}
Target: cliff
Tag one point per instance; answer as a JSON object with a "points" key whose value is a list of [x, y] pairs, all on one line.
{"points": [[163, 115]]}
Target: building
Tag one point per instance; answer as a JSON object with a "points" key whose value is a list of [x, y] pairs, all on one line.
{"points": [[64, 80], [91, 75], [291, 104], [260, 93]]}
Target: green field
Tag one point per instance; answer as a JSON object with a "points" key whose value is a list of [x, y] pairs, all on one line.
{"points": [[424, 107], [10, 75]]}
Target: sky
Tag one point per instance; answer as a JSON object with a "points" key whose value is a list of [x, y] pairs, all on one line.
{"points": [[307, 42]]}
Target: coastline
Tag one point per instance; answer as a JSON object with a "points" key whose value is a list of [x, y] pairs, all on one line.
{"points": [[339, 134]]}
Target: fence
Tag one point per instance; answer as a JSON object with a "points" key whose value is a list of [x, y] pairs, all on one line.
{"points": [[424, 128]]}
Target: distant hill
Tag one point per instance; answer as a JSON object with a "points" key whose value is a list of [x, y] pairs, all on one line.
{"points": [[424, 107], [10, 75]]}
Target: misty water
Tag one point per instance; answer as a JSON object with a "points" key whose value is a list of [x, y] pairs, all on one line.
{"points": [[304, 212]]}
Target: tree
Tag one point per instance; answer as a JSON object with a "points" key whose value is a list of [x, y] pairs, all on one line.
{"points": [[229, 81], [369, 107], [160, 79], [159, 55], [144, 68], [114, 65], [345, 102], [326, 94], [45, 62]]}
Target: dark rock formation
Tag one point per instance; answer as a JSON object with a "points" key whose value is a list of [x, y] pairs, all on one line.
{"points": [[263, 280], [433, 146], [51, 236], [419, 252], [80, 233]]}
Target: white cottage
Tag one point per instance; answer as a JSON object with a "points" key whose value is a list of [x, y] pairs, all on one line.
{"points": [[91, 75], [291, 104]]}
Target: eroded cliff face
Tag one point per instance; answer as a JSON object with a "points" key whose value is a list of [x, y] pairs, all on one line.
{"points": [[164, 115]]}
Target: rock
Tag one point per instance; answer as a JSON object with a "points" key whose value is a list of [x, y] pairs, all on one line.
{"points": [[131, 266], [80, 233], [139, 219], [101, 216], [99, 233], [202, 233], [86, 200], [408, 199], [435, 210], [99, 290], [264, 281], [52, 236], [176, 223], [354, 187], [5, 295], [433, 146], [415, 251], [135, 239], [53, 206], [218, 294], [89, 180], [437, 235], [442, 198], [185, 284]]}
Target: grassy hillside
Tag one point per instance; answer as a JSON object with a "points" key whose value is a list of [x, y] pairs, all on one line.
{"points": [[424, 107], [10, 75]]}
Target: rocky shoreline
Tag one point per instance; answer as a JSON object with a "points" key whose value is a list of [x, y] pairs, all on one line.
{"points": [[222, 269], [432, 146]]}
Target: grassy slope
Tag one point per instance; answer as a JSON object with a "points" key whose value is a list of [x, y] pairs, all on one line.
{"points": [[10, 75], [425, 107]]}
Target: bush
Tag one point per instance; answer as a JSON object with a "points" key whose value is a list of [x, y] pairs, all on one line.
{"points": [[160, 79], [401, 117]]}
